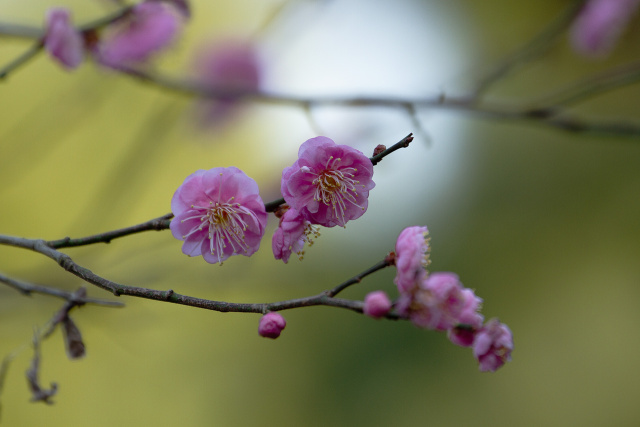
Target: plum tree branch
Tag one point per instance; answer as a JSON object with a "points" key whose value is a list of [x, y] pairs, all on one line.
{"points": [[28, 289], [66, 262]]}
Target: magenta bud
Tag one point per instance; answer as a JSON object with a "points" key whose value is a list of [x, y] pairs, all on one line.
{"points": [[376, 304], [271, 324]]}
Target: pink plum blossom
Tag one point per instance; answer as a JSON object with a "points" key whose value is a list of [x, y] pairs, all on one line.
{"points": [[600, 24], [291, 235], [231, 68], [412, 257], [493, 345], [61, 40], [376, 304], [329, 184], [271, 325], [439, 303], [218, 213], [148, 28], [469, 320]]}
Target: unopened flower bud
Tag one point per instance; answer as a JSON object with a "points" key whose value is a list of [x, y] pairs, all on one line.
{"points": [[379, 149], [376, 304], [271, 324]]}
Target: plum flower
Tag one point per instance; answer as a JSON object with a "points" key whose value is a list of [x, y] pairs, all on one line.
{"points": [[376, 304], [329, 184], [469, 320], [412, 257], [291, 235], [600, 24], [439, 303], [271, 325], [231, 68], [147, 29], [61, 40], [493, 345], [218, 213]]}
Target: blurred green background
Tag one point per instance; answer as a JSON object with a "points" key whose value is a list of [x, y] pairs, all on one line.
{"points": [[544, 225]]}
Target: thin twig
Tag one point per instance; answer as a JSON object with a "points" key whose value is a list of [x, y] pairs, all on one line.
{"points": [[170, 296], [160, 223], [532, 49], [27, 288], [592, 86], [24, 57]]}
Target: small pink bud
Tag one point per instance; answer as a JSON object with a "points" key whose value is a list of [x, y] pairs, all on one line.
{"points": [[271, 324], [376, 304]]}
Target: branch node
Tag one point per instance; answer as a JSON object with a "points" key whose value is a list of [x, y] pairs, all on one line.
{"points": [[168, 294]]}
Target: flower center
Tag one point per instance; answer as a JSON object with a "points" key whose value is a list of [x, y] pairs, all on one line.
{"points": [[225, 225], [336, 187]]}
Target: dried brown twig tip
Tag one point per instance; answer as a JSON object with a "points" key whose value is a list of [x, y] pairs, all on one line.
{"points": [[38, 394]]}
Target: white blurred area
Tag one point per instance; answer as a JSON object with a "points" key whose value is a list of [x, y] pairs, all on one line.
{"points": [[407, 49]]}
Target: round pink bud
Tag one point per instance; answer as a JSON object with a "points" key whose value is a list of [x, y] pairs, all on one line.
{"points": [[376, 304], [493, 345], [271, 324]]}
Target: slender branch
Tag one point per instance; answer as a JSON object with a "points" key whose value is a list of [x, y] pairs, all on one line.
{"points": [[27, 288], [593, 86], [358, 278], [532, 49], [324, 298], [8, 29], [403, 143], [160, 223], [465, 104], [24, 57]]}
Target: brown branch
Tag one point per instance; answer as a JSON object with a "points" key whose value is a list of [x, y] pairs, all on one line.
{"points": [[22, 59], [28, 289], [325, 298], [592, 86], [160, 223]]}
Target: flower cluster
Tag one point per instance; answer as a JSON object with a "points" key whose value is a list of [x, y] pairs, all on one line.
{"points": [[144, 30], [439, 301], [219, 212]]}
